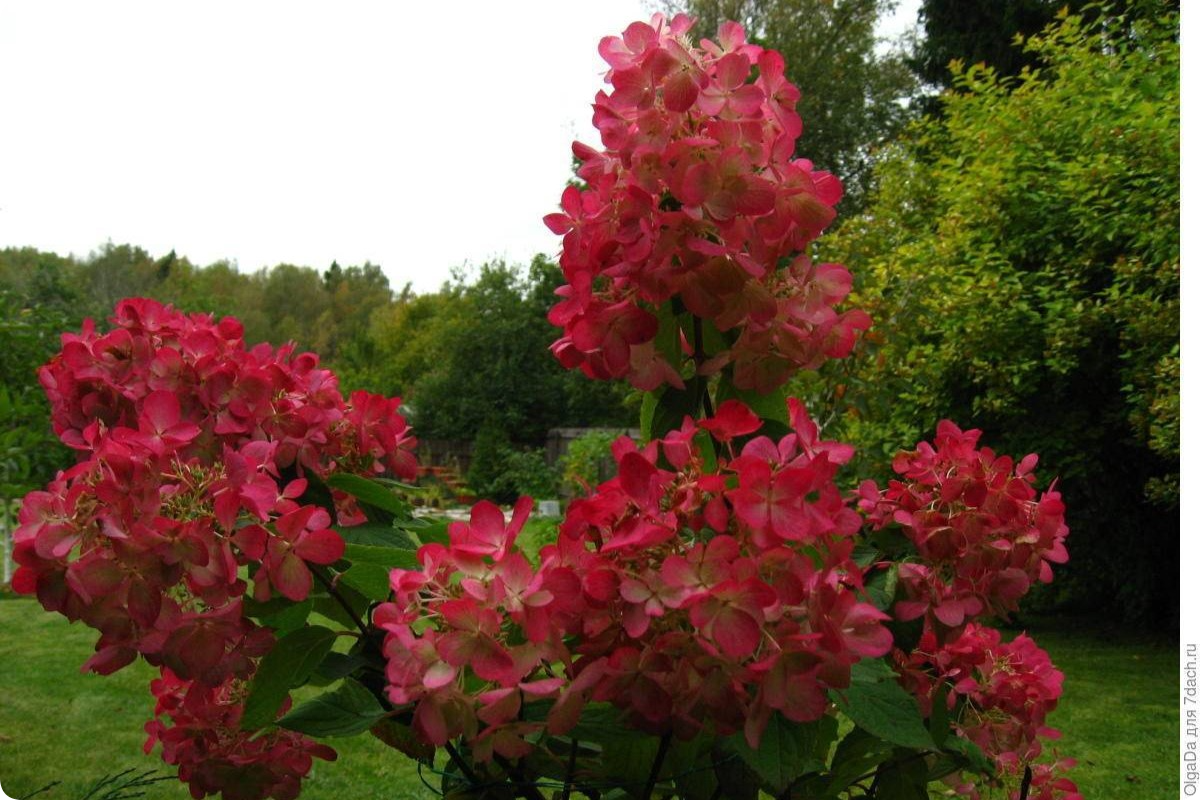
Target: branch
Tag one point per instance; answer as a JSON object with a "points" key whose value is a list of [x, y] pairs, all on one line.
{"points": [[1026, 782], [570, 770], [523, 786], [664, 744], [462, 765], [333, 592]]}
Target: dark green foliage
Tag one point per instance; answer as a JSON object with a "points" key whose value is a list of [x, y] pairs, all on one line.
{"points": [[1021, 262], [588, 461], [501, 472], [992, 31], [488, 475], [487, 358], [37, 303], [979, 31]]}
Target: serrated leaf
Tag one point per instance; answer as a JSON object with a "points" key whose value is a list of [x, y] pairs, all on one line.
{"points": [[368, 491], [399, 736], [331, 609], [346, 711], [377, 535], [858, 753], [905, 778], [290, 618], [287, 666], [277, 613], [788, 749], [972, 757], [434, 532], [864, 554], [881, 587], [338, 665], [370, 580], [871, 670], [390, 557], [883, 708]]}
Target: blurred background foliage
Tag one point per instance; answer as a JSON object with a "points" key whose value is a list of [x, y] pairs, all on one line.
{"points": [[1012, 221], [1020, 258]]}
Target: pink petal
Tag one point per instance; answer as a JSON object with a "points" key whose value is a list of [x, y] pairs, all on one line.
{"points": [[291, 577], [321, 547], [736, 632]]}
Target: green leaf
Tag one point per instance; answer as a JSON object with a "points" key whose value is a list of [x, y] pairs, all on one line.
{"points": [[327, 606], [871, 670], [708, 451], [666, 338], [290, 618], [370, 580], [864, 554], [971, 756], [674, 405], [904, 778], [736, 779], [434, 532], [883, 708], [287, 666], [939, 717], [788, 749], [346, 711], [646, 416], [391, 557], [881, 587], [280, 613], [399, 736], [338, 665], [629, 758], [369, 492], [377, 535], [690, 765], [857, 754]]}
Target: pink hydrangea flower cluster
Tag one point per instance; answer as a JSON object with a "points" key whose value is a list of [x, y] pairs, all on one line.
{"points": [[714, 591], [214, 755], [982, 532], [696, 196], [192, 451], [1006, 690]]}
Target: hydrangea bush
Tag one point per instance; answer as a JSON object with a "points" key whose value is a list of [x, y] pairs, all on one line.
{"points": [[721, 618]]}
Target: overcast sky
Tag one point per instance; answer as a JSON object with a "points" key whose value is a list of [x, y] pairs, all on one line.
{"points": [[268, 132]]}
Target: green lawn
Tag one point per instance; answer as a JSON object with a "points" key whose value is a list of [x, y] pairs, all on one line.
{"points": [[1119, 713], [1118, 717]]}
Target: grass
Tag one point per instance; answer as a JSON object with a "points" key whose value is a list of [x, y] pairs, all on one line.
{"points": [[1118, 717], [1119, 713]]}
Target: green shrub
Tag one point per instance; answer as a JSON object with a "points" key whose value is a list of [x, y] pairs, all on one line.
{"points": [[1021, 262], [503, 473], [587, 462]]}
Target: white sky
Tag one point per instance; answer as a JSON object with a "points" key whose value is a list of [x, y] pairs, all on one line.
{"points": [[268, 132]]}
